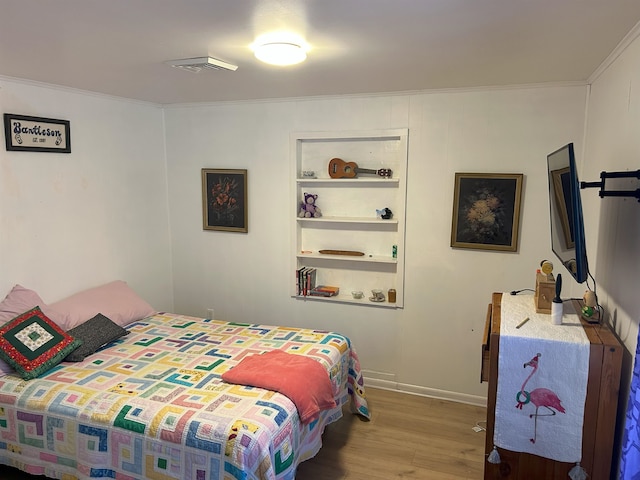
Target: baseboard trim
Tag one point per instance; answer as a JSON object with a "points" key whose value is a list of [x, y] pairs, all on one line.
{"points": [[425, 392]]}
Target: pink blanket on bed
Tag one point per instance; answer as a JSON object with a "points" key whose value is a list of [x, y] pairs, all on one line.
{"points": [[304, 380]]}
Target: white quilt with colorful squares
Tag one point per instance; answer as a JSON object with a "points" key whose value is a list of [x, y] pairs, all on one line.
{"points": [[152, 406]]}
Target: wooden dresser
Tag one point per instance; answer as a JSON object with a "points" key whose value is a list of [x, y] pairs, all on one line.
{"points": [[601, 406]]}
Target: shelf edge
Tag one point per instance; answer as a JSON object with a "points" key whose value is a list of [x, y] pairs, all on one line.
{"points": [[347, 300]]}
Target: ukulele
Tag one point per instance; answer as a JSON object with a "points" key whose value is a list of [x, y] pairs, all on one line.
{"points": [[338, 168]]}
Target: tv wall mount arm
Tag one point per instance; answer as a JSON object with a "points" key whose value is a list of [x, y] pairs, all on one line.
{"points": [[614, 193]]}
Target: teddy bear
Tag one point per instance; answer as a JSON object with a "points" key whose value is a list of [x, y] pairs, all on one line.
{"points": [[308, 208]]}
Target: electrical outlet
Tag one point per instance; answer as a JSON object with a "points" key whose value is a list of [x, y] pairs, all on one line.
{"points": [[210, 313]]}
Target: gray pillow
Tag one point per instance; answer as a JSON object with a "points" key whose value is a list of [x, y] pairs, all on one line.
{"points": [[94, 333]]}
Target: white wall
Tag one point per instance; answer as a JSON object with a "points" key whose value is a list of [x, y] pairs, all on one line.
{"points": [[613, 224], [613, 233], [73, 221], [432, 346]]}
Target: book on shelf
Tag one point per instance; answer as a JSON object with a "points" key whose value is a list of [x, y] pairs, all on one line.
{"points": [[310, 280], [299, 280], [324, 291], [305, 280]]}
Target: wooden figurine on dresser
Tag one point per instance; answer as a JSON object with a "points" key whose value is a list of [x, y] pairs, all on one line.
{"points": [[545, 287]]}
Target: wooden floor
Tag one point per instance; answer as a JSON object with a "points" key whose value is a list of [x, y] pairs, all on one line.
{"points": [[408, 437]]}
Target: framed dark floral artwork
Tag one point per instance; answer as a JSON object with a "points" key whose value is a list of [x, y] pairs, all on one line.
{"points": [[486, 211], [224, 200]]}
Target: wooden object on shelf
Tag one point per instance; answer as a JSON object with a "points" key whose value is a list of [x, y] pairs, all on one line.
{"points": [[600, 409], [353, 253], [545, 291], [338, 168]]}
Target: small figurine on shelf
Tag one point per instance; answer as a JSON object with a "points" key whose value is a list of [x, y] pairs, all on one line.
{"points": [[385, 213], [308, 208]]}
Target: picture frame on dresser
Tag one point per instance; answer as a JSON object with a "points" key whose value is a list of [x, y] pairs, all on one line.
{"points": [[486, 211], [224, 200]]}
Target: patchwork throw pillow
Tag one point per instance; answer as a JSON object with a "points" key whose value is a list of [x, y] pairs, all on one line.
{"points": [[33, 344], [17, 301], [94, 333]]}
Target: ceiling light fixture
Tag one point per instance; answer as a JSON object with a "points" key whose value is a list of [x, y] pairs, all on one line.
{"points": [[280, 49], [195, 65], [279, 53]]}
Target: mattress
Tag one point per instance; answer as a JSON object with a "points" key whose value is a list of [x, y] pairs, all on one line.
{"points": [[152, 405]]}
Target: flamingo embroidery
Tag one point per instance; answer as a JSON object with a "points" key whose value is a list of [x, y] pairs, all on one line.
{"points": [[540, 397]]}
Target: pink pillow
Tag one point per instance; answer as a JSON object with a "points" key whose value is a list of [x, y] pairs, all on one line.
{"points": [[115, 300], [304, 380], [19, 300]]}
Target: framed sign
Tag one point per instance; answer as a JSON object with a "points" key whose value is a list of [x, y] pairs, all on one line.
{"points": [[224, 200], [36, 134], [486, 211]]}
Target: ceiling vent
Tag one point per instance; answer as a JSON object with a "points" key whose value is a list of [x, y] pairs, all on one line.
{"points": [[195, 65]]}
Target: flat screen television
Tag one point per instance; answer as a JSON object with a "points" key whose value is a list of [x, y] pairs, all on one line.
{"points": [[567, 224]]}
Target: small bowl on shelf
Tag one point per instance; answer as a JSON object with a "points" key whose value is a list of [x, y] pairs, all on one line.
{"points": [[308, 174], [357, 294]]}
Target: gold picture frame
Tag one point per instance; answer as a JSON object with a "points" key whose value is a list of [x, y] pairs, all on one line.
{"points": [[224, 200], [562, 197], [486, 211]]}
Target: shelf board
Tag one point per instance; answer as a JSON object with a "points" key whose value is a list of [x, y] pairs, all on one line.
{"points": [[348, 299], [352, 135], [350, 258], [349, 181], [358, 220]]}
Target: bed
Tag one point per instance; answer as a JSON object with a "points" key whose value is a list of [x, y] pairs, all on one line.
{"points": [[152, 405]]}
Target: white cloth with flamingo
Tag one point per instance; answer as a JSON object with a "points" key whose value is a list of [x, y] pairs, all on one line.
{"points": [[542, 381]]}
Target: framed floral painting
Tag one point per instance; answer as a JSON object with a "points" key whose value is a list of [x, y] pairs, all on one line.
{"points": [[224, 200], [486, 211]]}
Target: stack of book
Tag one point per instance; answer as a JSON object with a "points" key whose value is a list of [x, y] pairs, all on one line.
{"points": [[324, 291], [305, 280], [306, 284]]}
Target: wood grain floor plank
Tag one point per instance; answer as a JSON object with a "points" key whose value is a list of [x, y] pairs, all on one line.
{"points": [[409, 437]]}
